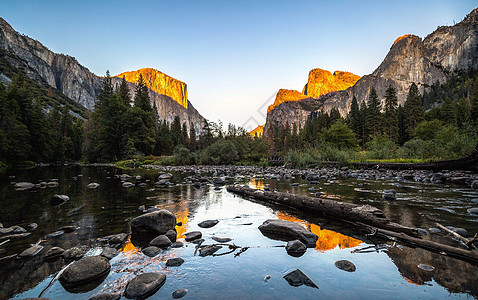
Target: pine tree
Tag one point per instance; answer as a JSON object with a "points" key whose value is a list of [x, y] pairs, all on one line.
{"points": [[474, 102], [402, 132], [390, 119], [374, 122], [192, 137], [448, 112], [141, 96], [413, 109], [363, 136], [123, 93], [106, 90], [353, 117]]}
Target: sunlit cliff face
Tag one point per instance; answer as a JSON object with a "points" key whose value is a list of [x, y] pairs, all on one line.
{"points": [[160, 83], [322, 82], [328, 239], [401, 38], [284, 95], [257, 131]]}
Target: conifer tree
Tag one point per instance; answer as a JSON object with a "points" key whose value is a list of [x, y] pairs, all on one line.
{"points": [[390, 119], [413, 109], [374, 122], [123, 93], [141, 96], [474, 102], [354, 117]]}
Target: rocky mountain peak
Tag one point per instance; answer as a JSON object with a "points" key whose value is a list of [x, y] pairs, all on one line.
{"points": [[160, 83], [284, 95], [321, 82]]}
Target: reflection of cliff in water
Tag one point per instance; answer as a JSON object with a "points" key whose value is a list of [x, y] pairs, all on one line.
{"points": [[453, 274]]}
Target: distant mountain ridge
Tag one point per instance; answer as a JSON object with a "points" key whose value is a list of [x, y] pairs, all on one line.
{"points": [[66, 74], [411, 59]]}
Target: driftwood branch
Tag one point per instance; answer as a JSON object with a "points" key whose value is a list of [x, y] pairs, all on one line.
{"points": [[462, 239], [326, 207]]}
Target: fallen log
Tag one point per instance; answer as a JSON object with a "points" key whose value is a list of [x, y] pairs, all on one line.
{"points": [[462, 239], [326, 207]]}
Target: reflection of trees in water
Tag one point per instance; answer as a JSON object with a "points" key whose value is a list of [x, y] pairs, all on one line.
{"points": [[453, 274]]}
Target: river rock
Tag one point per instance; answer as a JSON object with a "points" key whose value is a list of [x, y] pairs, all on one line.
{"points": [[345, 265], [52, 184], [74, 253], [21, 186], [298, 278], [109, 252], [460, 231], [12, 230], [161, 241], [144, 285], [389, 195], [151, 251], [177, 245], [32, 251], [295, 248], [473, 210], [208, 223], [174, 262], [68, 228], [93, 185], [165, 176], [288, 231], [179, 293], [172, 235], [59, 199], [221, 240], [474, 185], [127, 184], [53, 253], [115, 239], [106, 296], [193, 235], [208, 250], [219, 181], [85, 270], [154, 223], [32, 226]]}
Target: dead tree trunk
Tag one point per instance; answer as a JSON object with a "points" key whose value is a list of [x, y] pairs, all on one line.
{"points": [[326, 207]]}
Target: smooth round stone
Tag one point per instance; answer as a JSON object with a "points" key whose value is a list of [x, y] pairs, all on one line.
{"points": [[161, 241], [177, 245], [345, 265], [221, 240], [174, 262], [93, 185], [193, 235], [172, 235], [59, 199], [179, 293], [295, 248], [109, 252], [32, 251], [208, 223], [84, 270], [54, 252], [106, 296], [144, 285], [151, 251], [473, 211], [425, 267]]}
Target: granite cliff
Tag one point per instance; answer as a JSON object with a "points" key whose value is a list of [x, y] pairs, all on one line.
{"points": [[67, 75], [410, 59]]}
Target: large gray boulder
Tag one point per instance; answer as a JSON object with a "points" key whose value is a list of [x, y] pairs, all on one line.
{"points": [[153, 223], [84, 270], [288, 231], [144, 285]]}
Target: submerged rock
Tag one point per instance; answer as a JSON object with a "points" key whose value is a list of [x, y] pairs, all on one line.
{"points": [[154, 223], [288, 231], [389, 195], [208, 223], [32, 251], [59, 199], [193, 235], [84, 270], [21, 186], [208, 250], [345, 265], [151, 251], [127, 184], [221, 240], [174, 262], [106, 296], [74, 253], [93, 185], [109, 252], [298, 278], [295, 248], [53, 253], [177, 245], [12, 230], [179, 293], [144, 285]]}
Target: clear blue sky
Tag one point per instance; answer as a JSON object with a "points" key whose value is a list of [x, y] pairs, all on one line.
{"points": [[234, 55]]}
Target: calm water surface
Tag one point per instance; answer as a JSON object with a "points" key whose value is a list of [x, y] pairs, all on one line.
{"points": [[391, 272]]}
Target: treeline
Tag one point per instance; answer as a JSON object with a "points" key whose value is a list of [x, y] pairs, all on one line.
{"points": [[29, 133], [126, 126], [441, 124]]}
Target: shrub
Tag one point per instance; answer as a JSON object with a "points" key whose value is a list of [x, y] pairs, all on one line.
{"points": [[182, 156], [340, 136], [220, 152], [381, 147]]}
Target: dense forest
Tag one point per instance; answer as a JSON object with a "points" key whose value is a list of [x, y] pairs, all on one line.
{"points": [[441, 124]]}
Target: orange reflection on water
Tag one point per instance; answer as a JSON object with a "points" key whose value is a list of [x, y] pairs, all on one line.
{"points": [[182, 216], [129, 249], [411, 281], [328, 239], [258, 183]]}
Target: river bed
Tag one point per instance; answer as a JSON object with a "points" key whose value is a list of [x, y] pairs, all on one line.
{"points": [[384, 270]]}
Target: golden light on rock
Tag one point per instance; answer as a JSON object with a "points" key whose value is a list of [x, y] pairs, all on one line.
{"points": [[258, 131], [284, 95], [401, 38], [160, 83], [322, 82], [328, 239]]}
